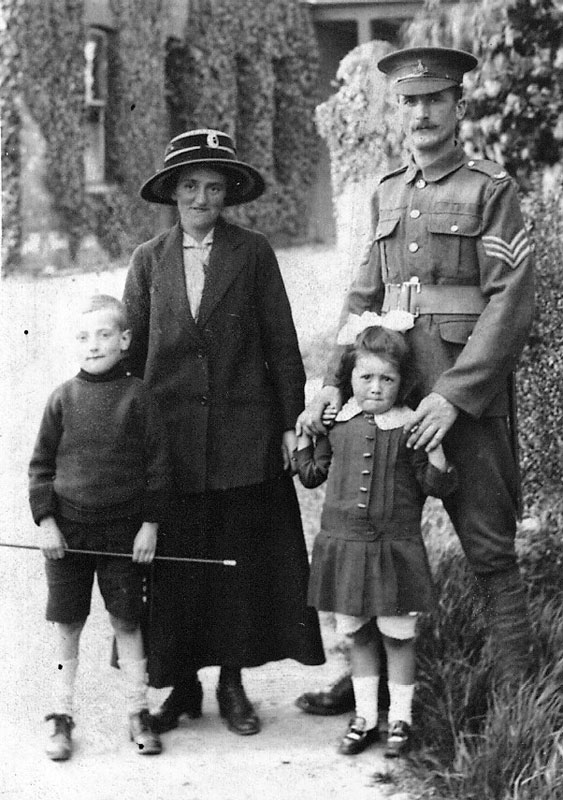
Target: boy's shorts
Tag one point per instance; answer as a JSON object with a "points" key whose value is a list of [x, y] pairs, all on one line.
{"points": [[400, 627], [70, 579]]}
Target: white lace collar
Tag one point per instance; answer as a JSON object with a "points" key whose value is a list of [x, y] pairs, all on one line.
{"points": [[396, 417]]}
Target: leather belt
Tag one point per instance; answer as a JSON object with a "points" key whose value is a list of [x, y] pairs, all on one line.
{"points": [[417, 298]]}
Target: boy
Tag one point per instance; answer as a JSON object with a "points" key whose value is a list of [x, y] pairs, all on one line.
{"points": [[97, 481]]}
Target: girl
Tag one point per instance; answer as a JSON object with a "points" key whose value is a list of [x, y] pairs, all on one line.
{"points": [[369, 564]]}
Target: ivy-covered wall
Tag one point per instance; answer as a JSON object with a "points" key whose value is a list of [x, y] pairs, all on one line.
{"points": [[246, 67], [251, 69], [11, 161]]}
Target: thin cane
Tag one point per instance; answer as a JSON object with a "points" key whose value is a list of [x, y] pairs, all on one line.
{"points": [[225, 562]]}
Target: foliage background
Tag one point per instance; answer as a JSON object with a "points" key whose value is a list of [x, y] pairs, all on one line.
{"points": [[249, 68]]}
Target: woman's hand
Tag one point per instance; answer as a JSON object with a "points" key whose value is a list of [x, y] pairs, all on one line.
{"points": [[144, 546]]}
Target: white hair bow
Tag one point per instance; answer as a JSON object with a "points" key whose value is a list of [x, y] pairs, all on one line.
{"points": [[394, 320]]}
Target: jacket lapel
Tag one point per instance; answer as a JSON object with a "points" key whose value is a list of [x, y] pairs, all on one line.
{"points": [[173, 282], [224, 265]]}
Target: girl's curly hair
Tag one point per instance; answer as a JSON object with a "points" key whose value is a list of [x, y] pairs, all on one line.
{"points": [[389, 345]]}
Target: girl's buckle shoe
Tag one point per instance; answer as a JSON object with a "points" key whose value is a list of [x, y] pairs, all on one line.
{"points": [[59, 746], [398, 739], [357, 738]]}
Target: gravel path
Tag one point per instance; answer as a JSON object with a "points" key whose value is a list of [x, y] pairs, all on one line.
{"points": [[294, 757]]}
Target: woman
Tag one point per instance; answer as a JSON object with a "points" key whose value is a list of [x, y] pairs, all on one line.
{"points": [[214, 339]]}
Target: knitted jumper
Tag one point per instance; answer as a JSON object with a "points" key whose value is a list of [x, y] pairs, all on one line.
{"points": [[101, 451]]}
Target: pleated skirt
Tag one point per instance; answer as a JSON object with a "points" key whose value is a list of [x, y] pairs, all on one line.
{"points": [[381, 576]]}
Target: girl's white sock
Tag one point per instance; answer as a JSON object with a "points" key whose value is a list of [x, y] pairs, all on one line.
{"points": [[135, 676], [65, 681], [365, 693], [400, 705]]}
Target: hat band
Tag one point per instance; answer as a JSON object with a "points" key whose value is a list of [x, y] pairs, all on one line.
{"points": [[427, 74], [198, 147]]}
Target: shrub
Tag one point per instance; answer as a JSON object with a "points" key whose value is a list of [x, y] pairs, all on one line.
{"points": [[540, 375]]}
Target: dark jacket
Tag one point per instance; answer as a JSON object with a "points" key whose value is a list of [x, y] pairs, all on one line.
{"points": [[230, 384]]}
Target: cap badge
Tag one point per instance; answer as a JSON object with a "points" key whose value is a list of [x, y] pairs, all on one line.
{"points": [[420, 69], [212, 140]]}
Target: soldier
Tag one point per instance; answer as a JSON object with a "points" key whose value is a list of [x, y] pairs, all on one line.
{"points": [[449, 246]]}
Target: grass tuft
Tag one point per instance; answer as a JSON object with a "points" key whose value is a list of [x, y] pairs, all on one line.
{"points": [[478, 742]]}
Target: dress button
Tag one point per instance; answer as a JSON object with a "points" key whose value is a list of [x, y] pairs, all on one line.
{"points": [[363, 489], [370, 438], [367, 455], [420, 184], [454, 228], [470, 163], [415, 213], [362, 505], [366, 472], [413, 247], [203, 400]]}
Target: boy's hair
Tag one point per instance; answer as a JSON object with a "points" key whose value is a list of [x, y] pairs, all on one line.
{"points": [[388, 345], [97, 302]]}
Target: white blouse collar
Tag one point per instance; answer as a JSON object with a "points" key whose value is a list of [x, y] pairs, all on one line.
{"points": [[189, 241], [396, 417]]}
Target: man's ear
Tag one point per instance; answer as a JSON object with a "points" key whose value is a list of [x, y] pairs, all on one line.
{"points": [[460, 108]]}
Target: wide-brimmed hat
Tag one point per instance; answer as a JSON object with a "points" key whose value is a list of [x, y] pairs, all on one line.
{"points": [[424, 70], [209, 148]]}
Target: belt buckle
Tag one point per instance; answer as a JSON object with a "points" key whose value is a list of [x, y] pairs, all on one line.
{"points": [[406, 300]]}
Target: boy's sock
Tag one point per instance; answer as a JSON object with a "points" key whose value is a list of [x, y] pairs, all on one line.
{"points": [[365, 692], [135, 676], [400, 705], [64, 686]]}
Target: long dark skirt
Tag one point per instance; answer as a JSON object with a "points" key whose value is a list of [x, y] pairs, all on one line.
{"points": [[247, 615]]}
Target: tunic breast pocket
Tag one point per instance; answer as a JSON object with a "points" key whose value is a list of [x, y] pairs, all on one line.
{"points": [[453, 246], [385, 235]]}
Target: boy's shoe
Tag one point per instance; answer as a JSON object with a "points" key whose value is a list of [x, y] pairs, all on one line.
{"points": [[143, 734], [398, 739], [59, 746], [357, 738]]}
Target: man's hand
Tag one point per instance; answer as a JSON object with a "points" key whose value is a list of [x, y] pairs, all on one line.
{"points": [[310, 421], [432, 420], [289, 444], [144, 546], [54, 544]]}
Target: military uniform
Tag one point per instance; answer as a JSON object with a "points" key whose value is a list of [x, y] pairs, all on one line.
{"points": [[449, 245]]}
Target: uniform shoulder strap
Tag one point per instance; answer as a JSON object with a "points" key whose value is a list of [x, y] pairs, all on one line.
{"points": [[489, 168]]}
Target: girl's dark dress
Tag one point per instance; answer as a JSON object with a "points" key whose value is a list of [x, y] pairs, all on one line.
{"points": [[369, 558]]}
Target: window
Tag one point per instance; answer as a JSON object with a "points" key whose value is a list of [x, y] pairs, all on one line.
{"points": [[95, 94]]}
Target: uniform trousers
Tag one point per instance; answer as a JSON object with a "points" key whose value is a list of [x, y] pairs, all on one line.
{"points": [[483, 512]]}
